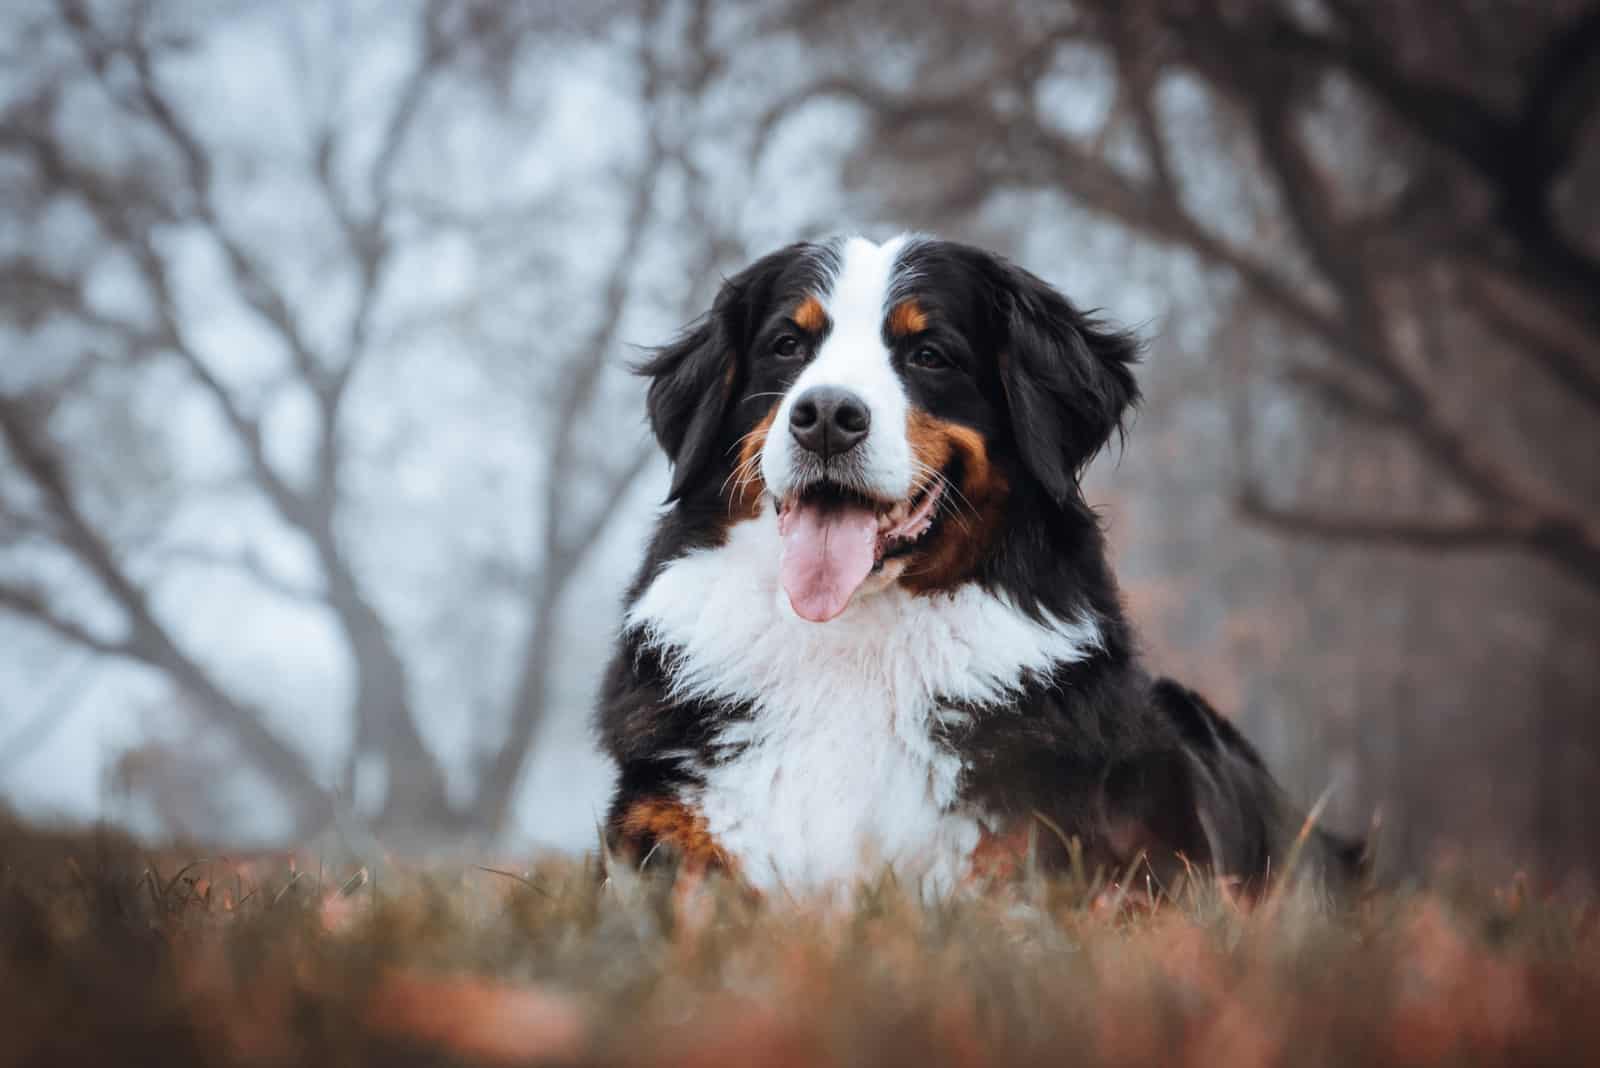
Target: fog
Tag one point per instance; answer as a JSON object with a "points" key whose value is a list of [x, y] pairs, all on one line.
{"points": [[322, 471]]}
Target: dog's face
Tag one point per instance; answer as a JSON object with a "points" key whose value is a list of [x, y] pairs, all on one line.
{"points": [[892, 402]]}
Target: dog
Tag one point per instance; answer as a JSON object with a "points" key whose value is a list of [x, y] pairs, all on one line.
{"points": [[876, 624]]}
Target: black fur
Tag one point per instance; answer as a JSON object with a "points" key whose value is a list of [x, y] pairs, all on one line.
{"points": [[1103, 752], [1068, 380], [694, 380]]}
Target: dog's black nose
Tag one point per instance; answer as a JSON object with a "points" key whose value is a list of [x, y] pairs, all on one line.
{"points": [[828, 420]]}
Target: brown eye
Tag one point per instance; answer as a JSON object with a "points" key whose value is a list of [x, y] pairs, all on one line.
{"points": [[929, 358], [787, 346]]}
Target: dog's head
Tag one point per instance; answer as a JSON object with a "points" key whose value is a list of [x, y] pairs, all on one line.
{"points": [[893, 401]]}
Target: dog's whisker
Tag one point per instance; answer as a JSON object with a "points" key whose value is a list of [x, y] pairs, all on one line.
{"points": [[747, 476], [742, 476], [732, 476], [948, 489], [760, 430]]}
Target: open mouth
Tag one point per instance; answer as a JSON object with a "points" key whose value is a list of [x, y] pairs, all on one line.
{"points": [[834, 538]]}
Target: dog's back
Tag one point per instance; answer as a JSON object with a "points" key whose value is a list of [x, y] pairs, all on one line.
{"points": [[1245, 813]]}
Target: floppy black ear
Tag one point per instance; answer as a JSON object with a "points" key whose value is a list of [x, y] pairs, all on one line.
{"points": [[689, 392], [694, 379], [1068, 380]]}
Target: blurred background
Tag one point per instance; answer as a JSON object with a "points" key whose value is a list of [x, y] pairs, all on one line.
{"points": [[321, 471]]}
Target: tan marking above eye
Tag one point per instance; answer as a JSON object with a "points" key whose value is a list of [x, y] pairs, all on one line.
{"points": [[810, 316], [907, 318]]}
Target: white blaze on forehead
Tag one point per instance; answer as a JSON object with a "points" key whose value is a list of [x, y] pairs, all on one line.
{"points": [[853, 356], [858, 300]]}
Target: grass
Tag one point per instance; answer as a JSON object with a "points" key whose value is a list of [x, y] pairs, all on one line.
{"points": [[110, 954]]}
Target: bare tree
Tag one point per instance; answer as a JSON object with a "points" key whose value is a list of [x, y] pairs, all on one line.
{"points": [[1372, 217], [564, 545], [1384, 203], [358, 169], [1474, 224]]}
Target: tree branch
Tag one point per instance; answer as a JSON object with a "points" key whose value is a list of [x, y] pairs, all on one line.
{"points": [[148, 641], [1538, 331], [1449, 118], [32, 605], [1573, 548], [383, 712], [1561, 100], [1233, 58], [367, 234], [1369, 346], [249, 277], [1138, 78], [1520, 155], [1143, 208], [574, 550], [247, 564], [1344, 396], [563, 552]]}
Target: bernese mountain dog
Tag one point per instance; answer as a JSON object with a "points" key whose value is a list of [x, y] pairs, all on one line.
{"points": [[876, 624]]}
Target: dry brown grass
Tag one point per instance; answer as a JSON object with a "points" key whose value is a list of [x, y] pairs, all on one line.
{"points": [[109, 955]]}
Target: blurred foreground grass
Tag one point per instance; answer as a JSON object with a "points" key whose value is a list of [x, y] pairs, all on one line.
{"points": [[112, 954]]}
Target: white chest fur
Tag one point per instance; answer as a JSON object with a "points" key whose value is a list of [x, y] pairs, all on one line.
{"points": [[837, 769]]}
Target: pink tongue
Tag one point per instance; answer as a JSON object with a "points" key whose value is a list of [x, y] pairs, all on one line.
{"points": [[828, 552]]}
